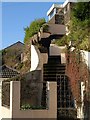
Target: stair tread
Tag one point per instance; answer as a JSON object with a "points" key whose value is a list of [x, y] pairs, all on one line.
{"points": [[54, 71], [54, 65], [46, 69], [50, 76], [54, 68]]}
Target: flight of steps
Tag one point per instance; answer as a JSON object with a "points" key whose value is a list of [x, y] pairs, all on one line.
{"points": [[53, 68], [55, 71]]}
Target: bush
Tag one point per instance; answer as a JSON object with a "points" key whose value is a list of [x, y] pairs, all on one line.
{"points": [[33, 28], [60, 42], [28, 106], [81, 11]]}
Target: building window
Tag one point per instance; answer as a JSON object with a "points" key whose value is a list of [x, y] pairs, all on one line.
{"points": [[52, 13]]}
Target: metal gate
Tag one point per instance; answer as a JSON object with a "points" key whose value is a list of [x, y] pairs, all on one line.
{"points": [[65, 100]]}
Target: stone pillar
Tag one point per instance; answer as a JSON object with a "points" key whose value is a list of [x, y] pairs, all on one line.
{"points": [[52, 99], [14, 98]]}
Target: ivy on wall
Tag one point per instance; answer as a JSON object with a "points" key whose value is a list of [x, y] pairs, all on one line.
{"points": [[77, 72]]}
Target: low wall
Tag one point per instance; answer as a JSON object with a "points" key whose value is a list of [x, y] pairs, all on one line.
{"points": [[57, 29], [15, 112]]}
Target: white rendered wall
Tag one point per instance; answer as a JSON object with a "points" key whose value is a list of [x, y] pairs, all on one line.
{"points": [[86, 57], [34, 58], [82, 98], [4, 112], [80, 111], [37, 58]]}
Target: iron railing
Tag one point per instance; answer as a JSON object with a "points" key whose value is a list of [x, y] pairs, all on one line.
{"points": [[65, 101]]}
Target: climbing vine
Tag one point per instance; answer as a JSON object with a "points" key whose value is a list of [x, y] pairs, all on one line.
{"points": [[77, 72]]}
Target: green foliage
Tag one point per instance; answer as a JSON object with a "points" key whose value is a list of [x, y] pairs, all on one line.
{"points": [[79, 27], [3, 52], [61, 42], [20, 66], [85, 45], [81, 11], [28, 106], [33, 28]]}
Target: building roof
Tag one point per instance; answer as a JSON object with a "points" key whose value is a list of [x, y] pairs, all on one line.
{"points": [[17, 43], [8, 72], [59, 6]]}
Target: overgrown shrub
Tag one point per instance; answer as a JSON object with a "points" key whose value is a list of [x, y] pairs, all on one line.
{"points": [[33, 28]]}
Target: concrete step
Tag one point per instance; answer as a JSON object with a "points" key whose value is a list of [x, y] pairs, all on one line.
{"points": [[50, 74], [54, 65], [54, 72]]}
